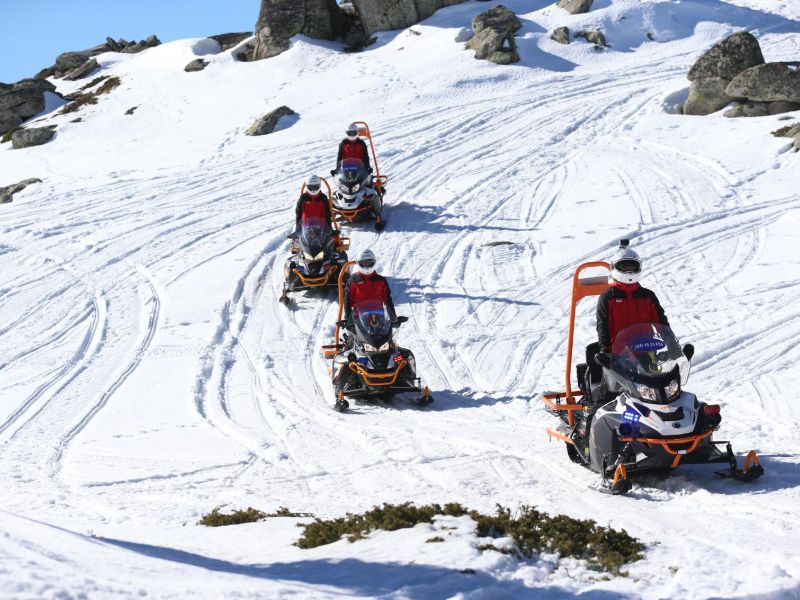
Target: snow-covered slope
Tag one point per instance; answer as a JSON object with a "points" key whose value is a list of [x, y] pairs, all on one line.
{"points": [[148, 372]]}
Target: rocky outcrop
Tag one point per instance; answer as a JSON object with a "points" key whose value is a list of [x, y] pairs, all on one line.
{"points": [[560, 35], [494, 36], [230, 40], [279, 20], [596, 37], [385, 15], [575, 7], [7, 193], [22, 101], [268, 122], [34, 136], [715, 69], [771, 82], [197, 64], [68, 62]]}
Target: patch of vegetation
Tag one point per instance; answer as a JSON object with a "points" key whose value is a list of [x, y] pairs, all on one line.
{"points": [[217, 519], [93, 82], [434, 540], [389, 517], [82, 99], [532, 531]]}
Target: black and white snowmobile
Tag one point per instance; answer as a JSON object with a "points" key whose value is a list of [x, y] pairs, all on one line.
{"points": [[635, 416], [367, 363], [359, 194], [316, 259]]}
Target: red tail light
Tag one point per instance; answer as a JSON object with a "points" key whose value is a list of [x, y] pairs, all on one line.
{"points": [[398, 358], [711, 409]]}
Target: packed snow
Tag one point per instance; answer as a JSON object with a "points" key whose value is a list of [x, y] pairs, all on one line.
{"points": [[148, 372]]}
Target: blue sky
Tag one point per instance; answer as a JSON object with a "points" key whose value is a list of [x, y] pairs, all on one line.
{"points": [[34, 32]]}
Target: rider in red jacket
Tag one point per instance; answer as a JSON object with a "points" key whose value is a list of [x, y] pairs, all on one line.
{"points": [[353, 146], [366, 284], [625, 303]]}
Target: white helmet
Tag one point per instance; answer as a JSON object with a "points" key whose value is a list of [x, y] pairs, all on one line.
{"points": [[352, 132], [366, 262], [313, 185], [626, 265]]}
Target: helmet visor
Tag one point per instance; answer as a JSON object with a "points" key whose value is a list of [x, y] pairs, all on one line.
{"points": [[313, 187], [628, 266], [367, 263]]}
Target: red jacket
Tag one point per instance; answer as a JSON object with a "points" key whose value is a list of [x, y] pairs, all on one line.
{"points": [[308, 207], [356, 149], [623, 305], [368, 287]]}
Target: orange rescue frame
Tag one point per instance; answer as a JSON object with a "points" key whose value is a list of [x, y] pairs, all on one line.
{"points": [[330, 350], [581, 288]]}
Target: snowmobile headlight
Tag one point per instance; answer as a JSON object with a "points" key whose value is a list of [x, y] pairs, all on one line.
{"points": [[370, 348], [308, 256], [320, 255], [384, 348], [646, 392], [356, 187], [673, 389]]}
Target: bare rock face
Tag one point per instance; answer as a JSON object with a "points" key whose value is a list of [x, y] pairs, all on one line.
{"points": [[278, 20], [35, 136], [707, 96], [728, 58], [7, 193], [494, 36], [560, 35], [83, 71], [385, 15], [68, 62], [575, 7], [748, 109], [596, 37], [229, 40], [771, 82], [268, 122]]}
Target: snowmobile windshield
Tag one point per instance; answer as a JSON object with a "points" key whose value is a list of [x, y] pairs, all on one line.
{"points": [[351, 176], [314, 234], [373, 322], [649, 353]]}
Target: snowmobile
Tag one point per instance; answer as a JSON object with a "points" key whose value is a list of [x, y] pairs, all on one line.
{"points": [[632, 414], [358, 193], [366, 363], [316, 257]]}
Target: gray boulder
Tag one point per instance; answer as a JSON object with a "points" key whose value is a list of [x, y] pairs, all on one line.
{"points": [[771, 82], [35, 136], [268, 122], [84, 70], [780, 107], [229, 40], [7, 193], [4, 87], [707, 96], [21, 101], [748, 109], [790, 131], [597, 37], [196, 65], [135, 48], [494, 36], [728, 58], [575, 7], [560, 35]]}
